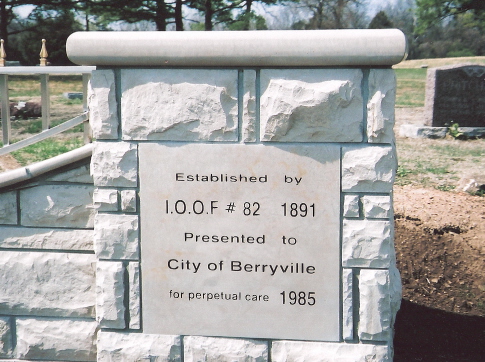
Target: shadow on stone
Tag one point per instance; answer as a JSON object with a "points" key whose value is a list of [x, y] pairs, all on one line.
{"points": [[426, 334]]}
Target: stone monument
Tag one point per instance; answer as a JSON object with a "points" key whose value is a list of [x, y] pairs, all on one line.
{"points": [[455, 94], [247, 185]]}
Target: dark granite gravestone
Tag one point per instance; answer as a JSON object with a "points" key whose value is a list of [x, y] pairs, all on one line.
{"points": [[455, 94]]}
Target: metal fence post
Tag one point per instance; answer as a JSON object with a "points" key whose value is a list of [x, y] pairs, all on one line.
{"points": [[88, 134], [6, 133], [45, 100], [5, 100], [44, 89]]}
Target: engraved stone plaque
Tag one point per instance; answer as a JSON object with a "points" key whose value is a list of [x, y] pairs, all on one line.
{"points": [[241, 240]]}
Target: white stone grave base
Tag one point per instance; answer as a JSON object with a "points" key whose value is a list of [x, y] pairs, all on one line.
{"points": [[418, 131]]}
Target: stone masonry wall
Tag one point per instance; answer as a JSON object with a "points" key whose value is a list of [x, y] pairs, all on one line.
{"points": [[47, 268], [353, 108]]}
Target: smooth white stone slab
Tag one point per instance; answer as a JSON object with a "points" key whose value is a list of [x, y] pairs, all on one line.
{"points": [[172, 262], [238, 48]]}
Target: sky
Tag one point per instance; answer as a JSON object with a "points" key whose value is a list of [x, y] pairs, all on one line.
{"points": [[375, 5]]}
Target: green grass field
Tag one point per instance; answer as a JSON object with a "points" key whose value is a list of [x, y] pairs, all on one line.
{"points": [[27, 88], [411, 84]]}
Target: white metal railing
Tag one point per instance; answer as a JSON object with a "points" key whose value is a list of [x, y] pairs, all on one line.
{"points": [[43, 72]]}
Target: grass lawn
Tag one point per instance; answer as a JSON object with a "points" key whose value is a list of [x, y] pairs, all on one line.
{"points": [[439, 164], [411, 85], [27, 88]]}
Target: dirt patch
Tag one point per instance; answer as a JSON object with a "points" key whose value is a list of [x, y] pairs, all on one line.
{"points": [[411, 115], [440, 247], [7, 163]]}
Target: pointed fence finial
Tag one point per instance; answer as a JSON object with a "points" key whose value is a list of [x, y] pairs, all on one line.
{"points": [[3, 55], [43, 54]]}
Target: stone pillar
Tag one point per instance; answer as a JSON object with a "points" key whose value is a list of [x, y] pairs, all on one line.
{"points": [[326, 89]]}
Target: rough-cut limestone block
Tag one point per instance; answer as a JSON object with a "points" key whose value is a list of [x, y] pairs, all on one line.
{"points": [[380, 107], [308, 105], [366, 243], [8, 208], [58, 206], [128, 200], [347, 305], [377, 207], [59, 340], [115, 164], [368, 168], [179, 105], [224, 350], [375, 314], [6, 346], [249, 106], [105, 199], [395, 290], [47, 284], [116, 236], [134, 295], [351, 206], [45, 238], [78, 175], [103, 115], [129, 347], [289, 351], [110, 310]]}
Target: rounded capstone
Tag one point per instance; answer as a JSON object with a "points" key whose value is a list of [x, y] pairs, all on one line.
{"points": [[351, 47]]}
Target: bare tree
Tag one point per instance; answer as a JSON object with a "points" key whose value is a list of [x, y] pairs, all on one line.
{"points": [[333, 14]]}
